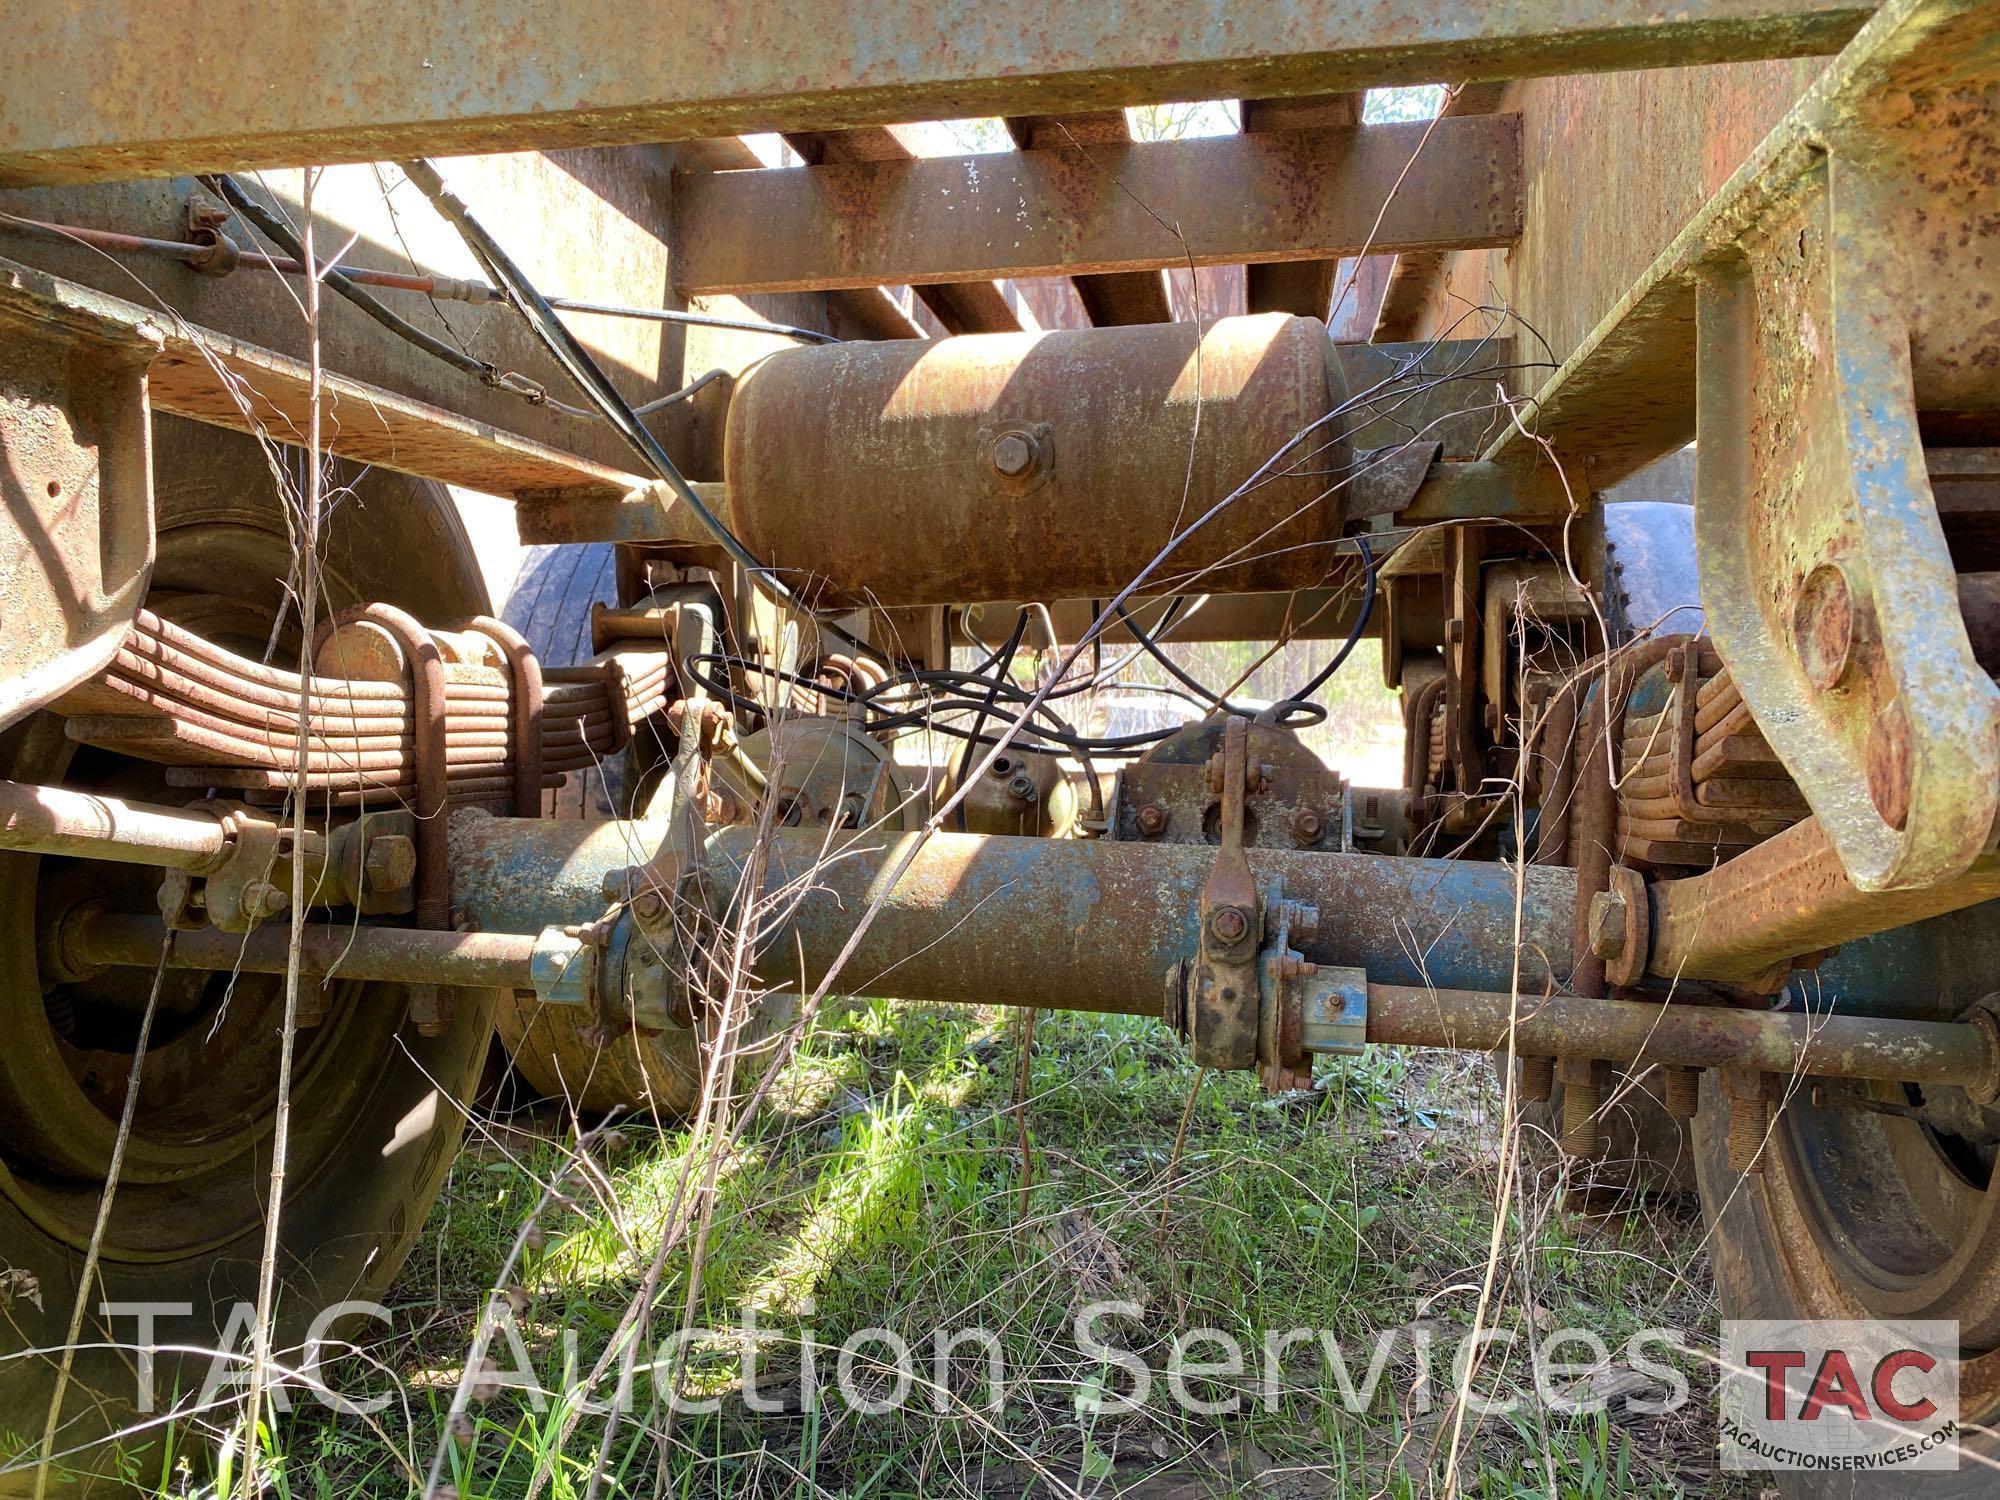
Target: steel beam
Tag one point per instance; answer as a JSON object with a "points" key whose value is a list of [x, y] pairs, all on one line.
{"points": [[228, 382], [963, 307], [1120, 296], [1304, 287], [85, 100], [1305, 195]]}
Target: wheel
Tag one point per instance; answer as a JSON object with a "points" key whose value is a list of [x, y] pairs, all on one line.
{"points": [[554, 1048], [377, 1107], [1880, 1203]]}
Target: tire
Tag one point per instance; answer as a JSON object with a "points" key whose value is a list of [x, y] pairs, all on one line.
{"points": [[1859, 1214], [555, 1049], [376, 1106], [1650, 589]]}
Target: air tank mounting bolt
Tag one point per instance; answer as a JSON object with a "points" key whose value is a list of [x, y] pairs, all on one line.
{"points": [[1013, 454]]}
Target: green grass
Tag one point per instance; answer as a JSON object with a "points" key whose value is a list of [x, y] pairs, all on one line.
{"points": [[881, 1188]]}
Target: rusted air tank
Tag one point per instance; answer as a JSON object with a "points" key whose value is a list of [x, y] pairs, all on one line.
{"points": [[1044, 465]]}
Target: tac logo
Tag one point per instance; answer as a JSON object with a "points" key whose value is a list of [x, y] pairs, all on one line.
{"points": [[1837, 1396]]}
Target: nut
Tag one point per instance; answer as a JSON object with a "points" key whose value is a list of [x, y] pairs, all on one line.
{"points": [[649, 906], [1607, 924], [1022, 787], [1306, 826], [1153, 820], [1228, 924], [1013, 454], [263, 899], [389, 865]]}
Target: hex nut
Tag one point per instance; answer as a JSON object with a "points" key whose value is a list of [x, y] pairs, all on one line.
{"points": [[1153, 820], [1228, 924], [1013, 454], [1306, 826]]}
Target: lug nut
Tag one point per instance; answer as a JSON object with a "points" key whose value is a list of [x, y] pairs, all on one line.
{"points": [[1152, 820], [1228, 924]]}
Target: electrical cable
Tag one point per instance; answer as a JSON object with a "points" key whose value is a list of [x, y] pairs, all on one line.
{"points": [[591, 380]]}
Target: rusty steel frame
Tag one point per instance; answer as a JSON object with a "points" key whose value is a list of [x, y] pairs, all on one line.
{"points": [[1824, 299], [1787, 897], [498, 75], [1293, 195]]}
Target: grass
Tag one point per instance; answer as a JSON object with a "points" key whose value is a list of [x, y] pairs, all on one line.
{"points": [[881, 1189]]}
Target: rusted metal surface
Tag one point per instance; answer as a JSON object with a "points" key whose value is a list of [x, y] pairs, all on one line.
{"points": [[1119, 296], [1301, 287], [883, 468], [524, 706], [1295, 196], [1846, 308], [92, 937], [1593, 825], [1787, 897], [1636, 1034], [1294, 800], [1626, 395], [81, 105], [962, 307], [216, 719], [76, 485], [1077, 924], [231, 383], [50, 820], [1698, 784]]}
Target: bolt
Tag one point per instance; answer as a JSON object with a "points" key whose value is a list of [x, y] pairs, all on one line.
{"points": [[1228, 924], [1013, 454], [390, 864], [1823, 625], [1607, 924], [1022, 788], [1305, 826], [1582, 1096], [649, 906], [1683, 1092], [1538, 1077], [263, 899], [1153, 820], [1749, 1124]]}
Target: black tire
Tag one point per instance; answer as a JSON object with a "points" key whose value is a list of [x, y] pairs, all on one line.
{"points": [[1860, 1214], [554, 1049], [1650, 589], [377, 1107]]}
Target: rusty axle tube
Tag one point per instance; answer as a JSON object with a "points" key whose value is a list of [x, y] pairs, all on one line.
{"points": [[1061, 924], [92, 938], [83, 825]]}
